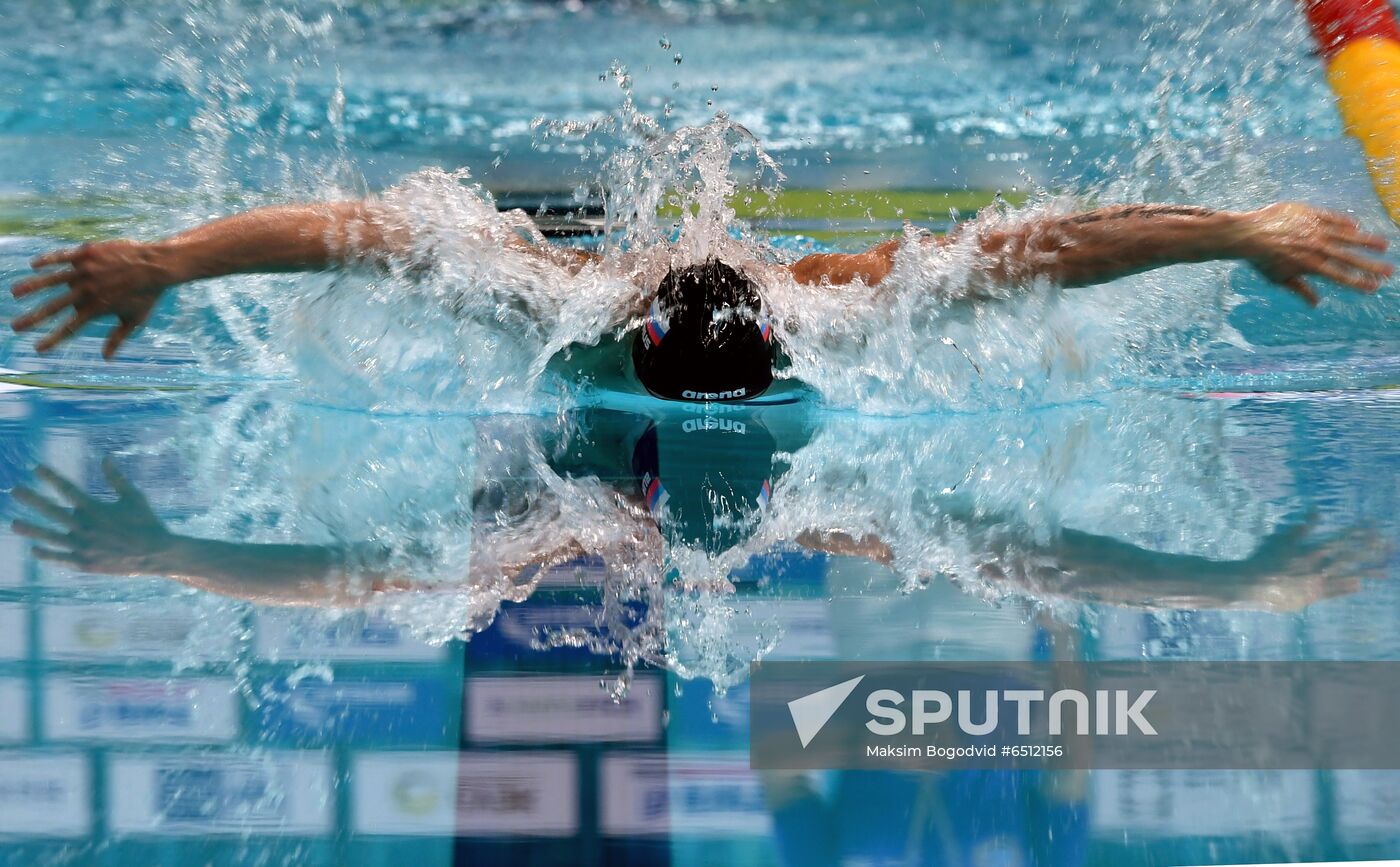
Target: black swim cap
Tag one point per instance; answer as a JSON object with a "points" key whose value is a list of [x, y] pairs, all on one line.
{"points": [[706, 337], [706, 479]]}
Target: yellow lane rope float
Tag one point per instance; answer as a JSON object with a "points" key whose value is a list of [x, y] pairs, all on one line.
{"points": [[1360, 43]]}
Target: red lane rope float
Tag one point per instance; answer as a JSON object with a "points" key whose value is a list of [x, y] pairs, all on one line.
{"points": [[1360, 42]]}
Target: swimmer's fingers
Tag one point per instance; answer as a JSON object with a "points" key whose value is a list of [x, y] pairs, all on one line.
{"points": [[41, 534], [46, 507], [47, 311], [123, 487], [117, 336], [72, 558], [1365, 240], [43, 281], [66, 489], [55, 257], [1331, 266], [1337, 219], [64, 331], [1369, 271]]}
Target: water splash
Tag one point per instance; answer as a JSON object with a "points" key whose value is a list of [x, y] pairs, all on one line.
{"points": [[473, 315]]}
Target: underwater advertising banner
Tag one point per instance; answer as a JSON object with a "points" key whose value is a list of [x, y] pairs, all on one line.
{"points": [[1063, 715], [46, 794]]}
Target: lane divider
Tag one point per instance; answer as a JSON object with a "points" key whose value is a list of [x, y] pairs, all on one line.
{"points": [[1360, 43]]}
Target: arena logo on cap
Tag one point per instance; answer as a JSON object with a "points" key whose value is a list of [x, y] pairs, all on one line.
{"points": [[714, 395], [691, 425]]}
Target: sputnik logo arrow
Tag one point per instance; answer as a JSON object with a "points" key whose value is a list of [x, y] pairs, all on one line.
{"points": [[812, 711]]}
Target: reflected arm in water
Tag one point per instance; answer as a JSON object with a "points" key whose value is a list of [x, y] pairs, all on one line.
{"points": [[125, 537], [1292, 568]]}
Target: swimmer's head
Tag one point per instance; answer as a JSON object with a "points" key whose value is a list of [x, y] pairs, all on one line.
{"points": [[706, 337]]}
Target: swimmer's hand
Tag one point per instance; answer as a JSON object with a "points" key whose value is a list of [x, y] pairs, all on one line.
{"points": [[116, 537], [1289, 242], [124, 279]]}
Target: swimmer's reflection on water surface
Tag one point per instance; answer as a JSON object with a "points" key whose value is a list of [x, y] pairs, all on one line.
{"points": [[638, 490]]}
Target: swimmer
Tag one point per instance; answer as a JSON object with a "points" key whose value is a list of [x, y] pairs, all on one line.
{"points": [[705, 335]]}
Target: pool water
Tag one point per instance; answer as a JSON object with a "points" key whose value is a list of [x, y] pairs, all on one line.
{"points": [[149, 721], [419, 611]]}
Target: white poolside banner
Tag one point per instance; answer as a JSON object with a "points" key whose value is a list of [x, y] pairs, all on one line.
{"points": [[193, 709], [178, 794], [560, 709], [180, 628], [14, 557], [685, 794], [45, 794], [14, 631], [523, 793], [14, 718], [305, 635], [1366, 805], [1204, 803], [410, 793], [473, 794]]}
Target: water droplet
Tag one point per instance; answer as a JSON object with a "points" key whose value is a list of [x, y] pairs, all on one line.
{"points": [[677, 58], [665, 44]]}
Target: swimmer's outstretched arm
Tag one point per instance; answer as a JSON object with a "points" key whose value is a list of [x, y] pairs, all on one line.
{"points": [[125, 278], [1286, 242]]}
